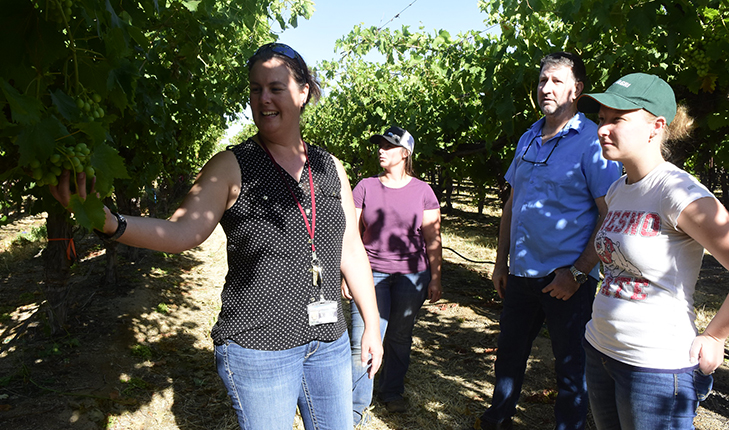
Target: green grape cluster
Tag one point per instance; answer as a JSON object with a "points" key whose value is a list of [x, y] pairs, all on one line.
{"points": [[57, 9], [89, 106], [73, 158], [701, 62], [694, 52], [695, 57]]}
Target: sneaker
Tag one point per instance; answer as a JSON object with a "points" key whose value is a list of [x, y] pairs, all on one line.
{"points": [[397, 406]]}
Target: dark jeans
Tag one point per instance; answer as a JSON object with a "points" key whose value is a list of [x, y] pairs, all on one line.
{"points": [[399, 298], [525, 310]]}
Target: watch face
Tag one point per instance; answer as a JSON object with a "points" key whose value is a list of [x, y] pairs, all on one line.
{"points": [[579, 276]]}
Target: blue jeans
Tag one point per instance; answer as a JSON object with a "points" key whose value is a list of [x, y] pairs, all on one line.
{"points": [[399, 298], [624, 397], [266, 386], [525, 310]]}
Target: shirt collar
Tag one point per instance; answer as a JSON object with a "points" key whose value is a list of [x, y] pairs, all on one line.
{"points": [[577, 123]]}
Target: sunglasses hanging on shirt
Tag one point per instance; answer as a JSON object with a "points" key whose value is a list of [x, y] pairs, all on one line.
{"points": [[540, 163]]}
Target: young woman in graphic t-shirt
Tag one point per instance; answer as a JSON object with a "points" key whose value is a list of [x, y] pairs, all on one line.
{"points": [[646, 366]]}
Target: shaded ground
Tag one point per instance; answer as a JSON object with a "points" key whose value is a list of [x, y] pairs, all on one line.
{"points": [[140, 356]]}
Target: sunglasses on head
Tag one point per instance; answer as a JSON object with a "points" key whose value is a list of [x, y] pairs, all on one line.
{"points": [[281, 49]]}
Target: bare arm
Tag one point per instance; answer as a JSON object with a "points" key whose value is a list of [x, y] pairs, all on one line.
{"points": [[214, 190], [564, 285], [358, 276], [358, 216], [501, 266], [433, 247], [588, 259], [707, 221]]}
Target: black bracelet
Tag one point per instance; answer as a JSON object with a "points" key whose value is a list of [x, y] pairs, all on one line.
{"points": [[121, 226]]}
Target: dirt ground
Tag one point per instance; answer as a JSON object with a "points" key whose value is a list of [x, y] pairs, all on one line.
{"points": [[139, 356]]}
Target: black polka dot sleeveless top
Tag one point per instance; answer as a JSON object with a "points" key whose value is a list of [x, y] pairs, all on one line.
{"points": [[269, 284]]}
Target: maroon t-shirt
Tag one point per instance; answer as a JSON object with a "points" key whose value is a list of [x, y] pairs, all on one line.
{"points": [[393, 224]]}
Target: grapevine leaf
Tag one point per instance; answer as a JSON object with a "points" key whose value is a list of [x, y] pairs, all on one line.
{"points": [[88, 213], [116, 45], [38, 141], [308, 10], [191, 5], [95, 75], [710, 13], [124, 78], [94, 130], [718, 120], [65, 105], [34, 42], [445, 35], [279, 19], [715, 50], [115, 21], [189, 50], [108, 165], [708, 83], [25, 109], [138, 36]]}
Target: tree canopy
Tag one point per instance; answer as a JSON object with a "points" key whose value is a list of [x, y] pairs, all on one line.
{"points": [[467, 98], [132, 92]]}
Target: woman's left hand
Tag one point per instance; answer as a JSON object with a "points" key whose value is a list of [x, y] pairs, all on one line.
{"points": [[372, 348], [435, 290], [706, 220], [708, 351], [345, 291]]}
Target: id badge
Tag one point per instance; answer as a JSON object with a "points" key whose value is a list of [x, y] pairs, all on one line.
{"points": [[322, 312]]}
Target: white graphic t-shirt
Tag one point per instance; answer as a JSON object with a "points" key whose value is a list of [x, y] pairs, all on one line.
{"points": [[643, 313]]}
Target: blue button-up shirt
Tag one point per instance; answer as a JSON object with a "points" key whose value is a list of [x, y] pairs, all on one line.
{"points": [[554, 210]]}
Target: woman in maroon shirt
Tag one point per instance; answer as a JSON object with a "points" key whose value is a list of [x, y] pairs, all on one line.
{"points": [[399, 219]]}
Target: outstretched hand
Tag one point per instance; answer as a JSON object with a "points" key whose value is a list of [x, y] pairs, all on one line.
{"points": [[62, 192]]}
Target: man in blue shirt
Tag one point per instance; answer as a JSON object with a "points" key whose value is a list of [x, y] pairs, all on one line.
{"points": [[546, 264]]}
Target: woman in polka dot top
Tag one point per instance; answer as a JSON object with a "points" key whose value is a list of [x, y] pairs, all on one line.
{"points": [[287, 210]]}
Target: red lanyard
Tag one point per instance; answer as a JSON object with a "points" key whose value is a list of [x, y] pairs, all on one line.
{"points": [[309, 228]]}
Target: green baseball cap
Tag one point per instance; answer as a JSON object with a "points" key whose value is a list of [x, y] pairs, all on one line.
{"points": [[634, 91]]}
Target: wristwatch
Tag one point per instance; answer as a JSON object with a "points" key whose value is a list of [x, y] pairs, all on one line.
{"points": [[121, 226], [580, 277]]}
